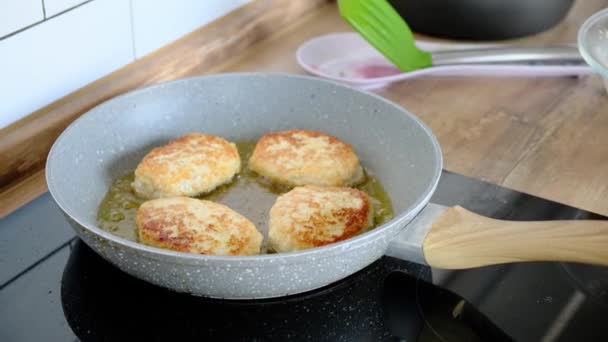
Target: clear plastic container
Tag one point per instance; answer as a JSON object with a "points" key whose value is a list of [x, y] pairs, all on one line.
{"points": [[593, 43]]}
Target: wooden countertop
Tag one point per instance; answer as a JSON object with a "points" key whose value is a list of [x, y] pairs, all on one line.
{"points": [[547, 137], [543, 136]]}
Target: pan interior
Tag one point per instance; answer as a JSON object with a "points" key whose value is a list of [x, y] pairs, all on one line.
{"points": [[109, 141]]}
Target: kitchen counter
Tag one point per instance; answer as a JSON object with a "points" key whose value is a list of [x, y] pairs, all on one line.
{"points": [[543, 136], [540, 136]]}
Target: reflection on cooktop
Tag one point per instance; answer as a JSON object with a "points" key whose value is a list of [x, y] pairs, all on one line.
{"points": [[382, 301]]}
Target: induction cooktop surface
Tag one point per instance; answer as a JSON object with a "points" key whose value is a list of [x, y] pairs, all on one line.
{"points": [[54, 288]]}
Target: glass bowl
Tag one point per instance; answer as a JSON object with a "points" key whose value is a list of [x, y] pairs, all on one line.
{"points": [[593, 43]]}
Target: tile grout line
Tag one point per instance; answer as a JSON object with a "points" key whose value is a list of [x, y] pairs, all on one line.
{"points": [[22, 29], [43, 10], [43, 20]]}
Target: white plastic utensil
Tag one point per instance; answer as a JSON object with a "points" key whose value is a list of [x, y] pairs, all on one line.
{"points": [[348, 58]]}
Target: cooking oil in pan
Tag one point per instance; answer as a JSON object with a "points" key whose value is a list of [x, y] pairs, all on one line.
{"points": [[248, 195]]}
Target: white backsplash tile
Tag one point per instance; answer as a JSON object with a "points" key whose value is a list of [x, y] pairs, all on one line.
{"points": [[158, 22], [58, 56], [17, 14], [53, 7]]}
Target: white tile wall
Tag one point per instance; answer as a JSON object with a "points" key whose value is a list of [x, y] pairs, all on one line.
{"points": [[55, 57], [53, 7], [158, 22], [17, 14], [58, 56]]}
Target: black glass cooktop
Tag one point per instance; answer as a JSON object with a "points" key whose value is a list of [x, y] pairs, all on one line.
{"points": [[54, 288]]}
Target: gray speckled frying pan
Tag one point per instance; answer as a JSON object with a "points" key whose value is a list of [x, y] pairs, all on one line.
{"points": [[109, 141]]}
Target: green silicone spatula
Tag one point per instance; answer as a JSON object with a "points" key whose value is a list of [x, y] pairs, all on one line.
{"points": [[379, 23]]}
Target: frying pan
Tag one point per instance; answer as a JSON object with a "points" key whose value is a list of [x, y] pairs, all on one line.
{"points": [[109, 141]]}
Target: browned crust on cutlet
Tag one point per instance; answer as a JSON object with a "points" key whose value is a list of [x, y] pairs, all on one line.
{"points": [[306, 217], [305, 157], [164, 170], [196, 226]]}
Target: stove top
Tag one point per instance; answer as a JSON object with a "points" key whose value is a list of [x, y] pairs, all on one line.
{"points": [[54, 288]]}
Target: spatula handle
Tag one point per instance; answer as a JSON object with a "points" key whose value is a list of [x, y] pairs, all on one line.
{"points": [[509, 55], [462, 239]]}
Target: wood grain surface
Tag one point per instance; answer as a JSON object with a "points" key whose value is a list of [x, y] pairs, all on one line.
{"points": [[460, 239], [541, 136]]}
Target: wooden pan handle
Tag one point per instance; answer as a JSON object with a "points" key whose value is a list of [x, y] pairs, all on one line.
{"points": [[462, 239]]}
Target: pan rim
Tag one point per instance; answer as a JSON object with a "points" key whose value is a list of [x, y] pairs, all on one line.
{"points": [[326, 250]]}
